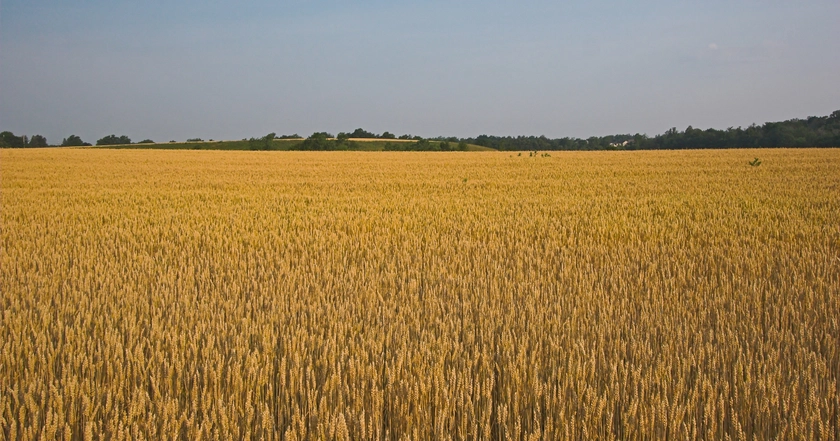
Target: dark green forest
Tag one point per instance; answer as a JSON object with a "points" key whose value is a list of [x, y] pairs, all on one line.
{"points": [[814, 131]]}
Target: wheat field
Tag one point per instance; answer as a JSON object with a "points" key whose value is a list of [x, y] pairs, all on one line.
{"points": [[419, 296]]}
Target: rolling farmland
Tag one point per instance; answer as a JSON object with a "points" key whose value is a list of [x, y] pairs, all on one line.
{"points": [[424, 296]]}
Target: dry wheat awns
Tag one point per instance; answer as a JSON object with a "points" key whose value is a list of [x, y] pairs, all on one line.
{"points": [[415, 296]]}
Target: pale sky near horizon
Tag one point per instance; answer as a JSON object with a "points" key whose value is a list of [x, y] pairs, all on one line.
{"points": [[228, 70]]}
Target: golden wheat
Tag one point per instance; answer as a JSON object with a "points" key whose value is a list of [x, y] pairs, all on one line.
{"points": [[422, 296]]}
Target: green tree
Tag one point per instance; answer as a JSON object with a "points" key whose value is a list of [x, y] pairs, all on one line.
{"points": [[8, 139], [114, 140], [318, 141], [422, 145], [361, 133], [73, 141], [264, 143], [38, 141]]}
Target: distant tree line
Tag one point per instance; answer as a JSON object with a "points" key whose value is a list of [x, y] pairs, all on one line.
{"points": [[814, 131], [425, 145], [323, 141], [264, 143], [10, 140], [114, 140], [320, 141], [364, 134]]}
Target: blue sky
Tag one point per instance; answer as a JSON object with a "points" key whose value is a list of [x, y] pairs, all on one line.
{"points": [[228, 70]]}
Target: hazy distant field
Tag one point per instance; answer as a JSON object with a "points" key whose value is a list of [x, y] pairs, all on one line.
{"points": [[425, 296]]}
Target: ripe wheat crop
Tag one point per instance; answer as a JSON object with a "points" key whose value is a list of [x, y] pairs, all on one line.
{"points": [[419, 296]]}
